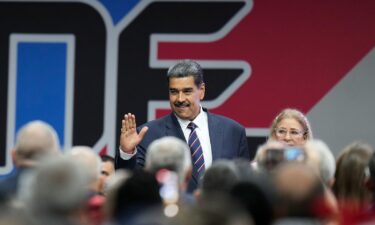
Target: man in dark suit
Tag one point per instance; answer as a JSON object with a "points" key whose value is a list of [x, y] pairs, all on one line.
{"points": [[218, 136]]}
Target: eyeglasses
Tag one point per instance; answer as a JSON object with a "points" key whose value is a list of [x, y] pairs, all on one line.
{"points": [[282, 132]]}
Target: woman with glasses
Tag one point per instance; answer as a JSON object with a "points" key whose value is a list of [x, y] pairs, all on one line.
{"points": [[290, 127]]}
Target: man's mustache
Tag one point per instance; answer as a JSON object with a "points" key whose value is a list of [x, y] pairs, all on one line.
{"points": [[179, 104]]}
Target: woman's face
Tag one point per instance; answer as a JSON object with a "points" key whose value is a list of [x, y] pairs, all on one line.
{"points": [[290, 132]]}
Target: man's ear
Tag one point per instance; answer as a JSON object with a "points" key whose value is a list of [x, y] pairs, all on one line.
{"points": [[331, 182], [14, 157], [202, 91], [197, 195]]}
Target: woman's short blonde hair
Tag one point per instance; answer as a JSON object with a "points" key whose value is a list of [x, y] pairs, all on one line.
{"points": [[295, 114]]}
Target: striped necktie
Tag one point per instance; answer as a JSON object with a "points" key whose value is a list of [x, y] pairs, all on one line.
{"points": [[196, 152]]}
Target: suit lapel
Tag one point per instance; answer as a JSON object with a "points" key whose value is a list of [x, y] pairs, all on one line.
{"points": [[173, 128], [216, 136]]}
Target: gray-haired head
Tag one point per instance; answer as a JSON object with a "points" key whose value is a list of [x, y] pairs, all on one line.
{"points": [[34, 140], [89, 161], [170, 153], [59, 186], [327, 162], [186, 68]]}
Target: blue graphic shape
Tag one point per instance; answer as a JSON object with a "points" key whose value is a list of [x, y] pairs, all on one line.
{"points": [[41, 84], [119, 8]]}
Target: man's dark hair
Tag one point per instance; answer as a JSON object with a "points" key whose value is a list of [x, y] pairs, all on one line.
{"points": [[371, 167], [137, 194], [187, 68], [107, 158], [220, 177], [252, 196]]}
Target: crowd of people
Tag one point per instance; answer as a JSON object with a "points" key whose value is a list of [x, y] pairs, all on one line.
{"points": [[190, 167]]}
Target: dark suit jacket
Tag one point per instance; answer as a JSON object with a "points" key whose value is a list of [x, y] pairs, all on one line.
{"points": [[228, 139], [10, 185]]}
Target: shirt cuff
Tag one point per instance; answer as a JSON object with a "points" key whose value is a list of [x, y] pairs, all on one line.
{"points": [[126, 156]]}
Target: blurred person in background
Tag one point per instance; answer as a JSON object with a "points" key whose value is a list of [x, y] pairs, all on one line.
{"points": [[301, 194], [91, 163], [273, 153], [113, 184], [171, 154], [219, 210], [265, 160], [137, 199], [34, 141], [368, 217], [257, 195], [219, 179], [107, 170], [326, 160], [58, 193], [350, 179]]}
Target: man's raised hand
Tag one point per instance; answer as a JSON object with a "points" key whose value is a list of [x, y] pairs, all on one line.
{"points": [[129, 137]]}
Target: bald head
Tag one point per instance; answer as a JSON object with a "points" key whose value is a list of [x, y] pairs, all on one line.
{"points": [[295, 179], [299, 187], [35, 139]]}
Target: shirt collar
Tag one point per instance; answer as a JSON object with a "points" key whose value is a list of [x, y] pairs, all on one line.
{"points": [[199, 120]]}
